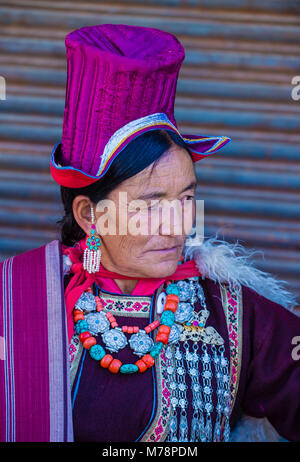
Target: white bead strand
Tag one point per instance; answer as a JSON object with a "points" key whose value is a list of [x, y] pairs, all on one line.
{"points": [[92, 258]]}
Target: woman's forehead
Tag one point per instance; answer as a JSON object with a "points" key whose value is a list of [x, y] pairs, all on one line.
{"points": [[172, 174]]}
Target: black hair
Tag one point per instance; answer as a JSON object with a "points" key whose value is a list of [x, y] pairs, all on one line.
{"points": [[141, 152]]}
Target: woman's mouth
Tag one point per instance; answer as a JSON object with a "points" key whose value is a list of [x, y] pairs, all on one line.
{"points": [[167, 251]]}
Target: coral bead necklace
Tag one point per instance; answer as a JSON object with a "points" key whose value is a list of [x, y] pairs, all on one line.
{"points": [[114, 365]]}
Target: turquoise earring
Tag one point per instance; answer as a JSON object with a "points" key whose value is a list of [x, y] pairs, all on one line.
{"points": [[92, 253]]}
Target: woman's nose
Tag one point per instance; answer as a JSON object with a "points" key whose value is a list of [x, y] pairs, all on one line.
{"points": [[172, 218]]}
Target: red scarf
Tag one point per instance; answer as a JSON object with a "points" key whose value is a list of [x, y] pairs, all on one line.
{"points": [[81, 279]]}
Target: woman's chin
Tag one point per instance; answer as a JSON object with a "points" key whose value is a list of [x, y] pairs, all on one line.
{"points": [[164, 267]]}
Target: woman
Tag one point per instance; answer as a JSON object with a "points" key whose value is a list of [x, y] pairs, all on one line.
{"points": [[168, 340]]}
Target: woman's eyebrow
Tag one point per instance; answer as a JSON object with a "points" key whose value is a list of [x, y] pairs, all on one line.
{"points": [[157, 194]]}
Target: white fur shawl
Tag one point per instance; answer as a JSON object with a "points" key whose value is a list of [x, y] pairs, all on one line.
{"points": [[222, 261]]}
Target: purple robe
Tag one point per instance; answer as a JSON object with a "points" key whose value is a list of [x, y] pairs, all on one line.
{"points": [[35, 375]]}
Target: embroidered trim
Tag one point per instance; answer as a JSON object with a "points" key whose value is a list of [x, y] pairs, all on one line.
{"points": [[233, 307], [126, 305], [159, 118], [216, 146], [159, 427], [75, 352]]}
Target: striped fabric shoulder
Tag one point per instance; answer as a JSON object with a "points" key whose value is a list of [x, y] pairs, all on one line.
{"points": [[33, 357]]}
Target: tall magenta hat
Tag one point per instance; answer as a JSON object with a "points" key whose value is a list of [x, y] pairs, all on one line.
{"points": [[121, 82]]}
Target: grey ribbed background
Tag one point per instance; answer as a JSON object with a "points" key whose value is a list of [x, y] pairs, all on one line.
{"points": [[236, 80]]}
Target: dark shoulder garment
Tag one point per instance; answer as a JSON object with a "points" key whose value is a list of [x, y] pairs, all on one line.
{"points": [[201, 385]]}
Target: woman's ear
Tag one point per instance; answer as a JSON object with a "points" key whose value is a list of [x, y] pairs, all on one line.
{"points": [[82, 212]]}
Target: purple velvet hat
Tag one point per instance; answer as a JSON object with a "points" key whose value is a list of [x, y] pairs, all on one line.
{"points": [[121, 82]]}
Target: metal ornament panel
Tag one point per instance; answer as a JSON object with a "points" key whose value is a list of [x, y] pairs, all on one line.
{"points": [[86, 303], [141, 343], [189, 323], [114, 339], [97, 323]]}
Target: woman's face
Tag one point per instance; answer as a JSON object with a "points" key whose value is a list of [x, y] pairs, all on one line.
{"points": [[140, 220]]}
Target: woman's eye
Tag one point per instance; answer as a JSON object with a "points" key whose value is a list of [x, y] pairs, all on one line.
{"points": [[157, 204], [152, 207]]}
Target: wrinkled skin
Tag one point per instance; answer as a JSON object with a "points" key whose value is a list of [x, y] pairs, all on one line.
{"points": [[137, 255]]}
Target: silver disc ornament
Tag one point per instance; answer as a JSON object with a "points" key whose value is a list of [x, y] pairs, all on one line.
{"points": [[114, 339], [97, 323], [141, 343], [86, 303]]}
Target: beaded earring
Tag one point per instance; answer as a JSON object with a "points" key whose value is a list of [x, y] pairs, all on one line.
{"points": [[92, 253]]}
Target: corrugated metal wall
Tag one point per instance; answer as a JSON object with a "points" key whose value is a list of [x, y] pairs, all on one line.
{"points": [[241, 56]]}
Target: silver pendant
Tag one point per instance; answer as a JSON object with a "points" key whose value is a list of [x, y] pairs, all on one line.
{"points": [[184, 312], [141, 343], [197, 362], [97, 323], [185, 290], [174, 334], [201, 295], [114, 339], [86, 303]]}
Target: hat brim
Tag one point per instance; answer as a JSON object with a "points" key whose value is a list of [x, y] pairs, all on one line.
{"points": [[68, 176], [204, 146]]}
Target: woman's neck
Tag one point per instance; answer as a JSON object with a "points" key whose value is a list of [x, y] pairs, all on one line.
{"points": [[126, 285]]}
